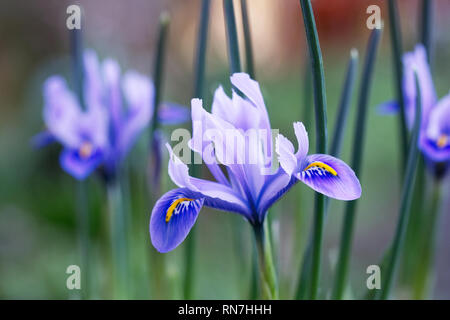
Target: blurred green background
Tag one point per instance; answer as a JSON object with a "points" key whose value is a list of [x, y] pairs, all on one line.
{"points": [[37, 199]]}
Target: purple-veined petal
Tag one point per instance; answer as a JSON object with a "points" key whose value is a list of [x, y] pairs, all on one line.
{"points": [[173, 216], [78, 166], [388, 108], [61, 111], [330, 176], [170, 113]]}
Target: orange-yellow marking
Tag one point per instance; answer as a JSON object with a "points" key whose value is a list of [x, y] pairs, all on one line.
{"points": [[442, 141], [323, 166], [173, 206], [85, 150]]}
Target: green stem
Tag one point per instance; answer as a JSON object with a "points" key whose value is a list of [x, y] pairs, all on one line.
{"points": [[358, 146], [344, 104], [269, 287], [232, 38], [247, 40], [315, 55], [319, 218], [83, 228], [396, 43], [422, 282], [118, 240], [408, 187]]}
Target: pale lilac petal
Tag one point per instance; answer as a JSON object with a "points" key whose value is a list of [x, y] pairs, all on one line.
{"points": [[302, 140], [285, 152], [93, 85], [417, 61], [138, 93], [61, 111]]}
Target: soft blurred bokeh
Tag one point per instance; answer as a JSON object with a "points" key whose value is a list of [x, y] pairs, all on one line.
{"points": [[37, 199]]}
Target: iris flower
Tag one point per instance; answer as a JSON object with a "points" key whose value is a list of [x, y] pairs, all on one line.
{"points": [[434, 140], [104, 131], [248, 188]]}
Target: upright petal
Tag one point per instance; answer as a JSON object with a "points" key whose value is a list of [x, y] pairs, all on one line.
{"points": [[417, 60], [61, 111], [330, 176], [173, 216], [93, 82], [250, 88], [138, 92], [285, 151]]}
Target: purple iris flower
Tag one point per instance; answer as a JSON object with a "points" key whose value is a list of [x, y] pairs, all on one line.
{"points": [[104, 131], [434, 140], [244, 183]]}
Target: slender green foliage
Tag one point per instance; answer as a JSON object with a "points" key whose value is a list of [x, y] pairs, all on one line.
{"points": [[358, 146], [247, 40], [321, 134], [335, 150], [405, 206], [232, 38], [158, 73], [396, 44], [426, 27]]}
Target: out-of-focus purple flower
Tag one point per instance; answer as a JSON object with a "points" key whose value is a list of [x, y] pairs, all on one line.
{"points": [[105, 130], [434, 138], [247, 186]]}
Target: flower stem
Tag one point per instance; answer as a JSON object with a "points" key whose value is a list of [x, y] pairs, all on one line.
{"points": [[84, 239], [232, 38], [118, 240], [358, 146], [269, 287], [423, 276], [408, 187], [396, 43], [315, 55]]}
